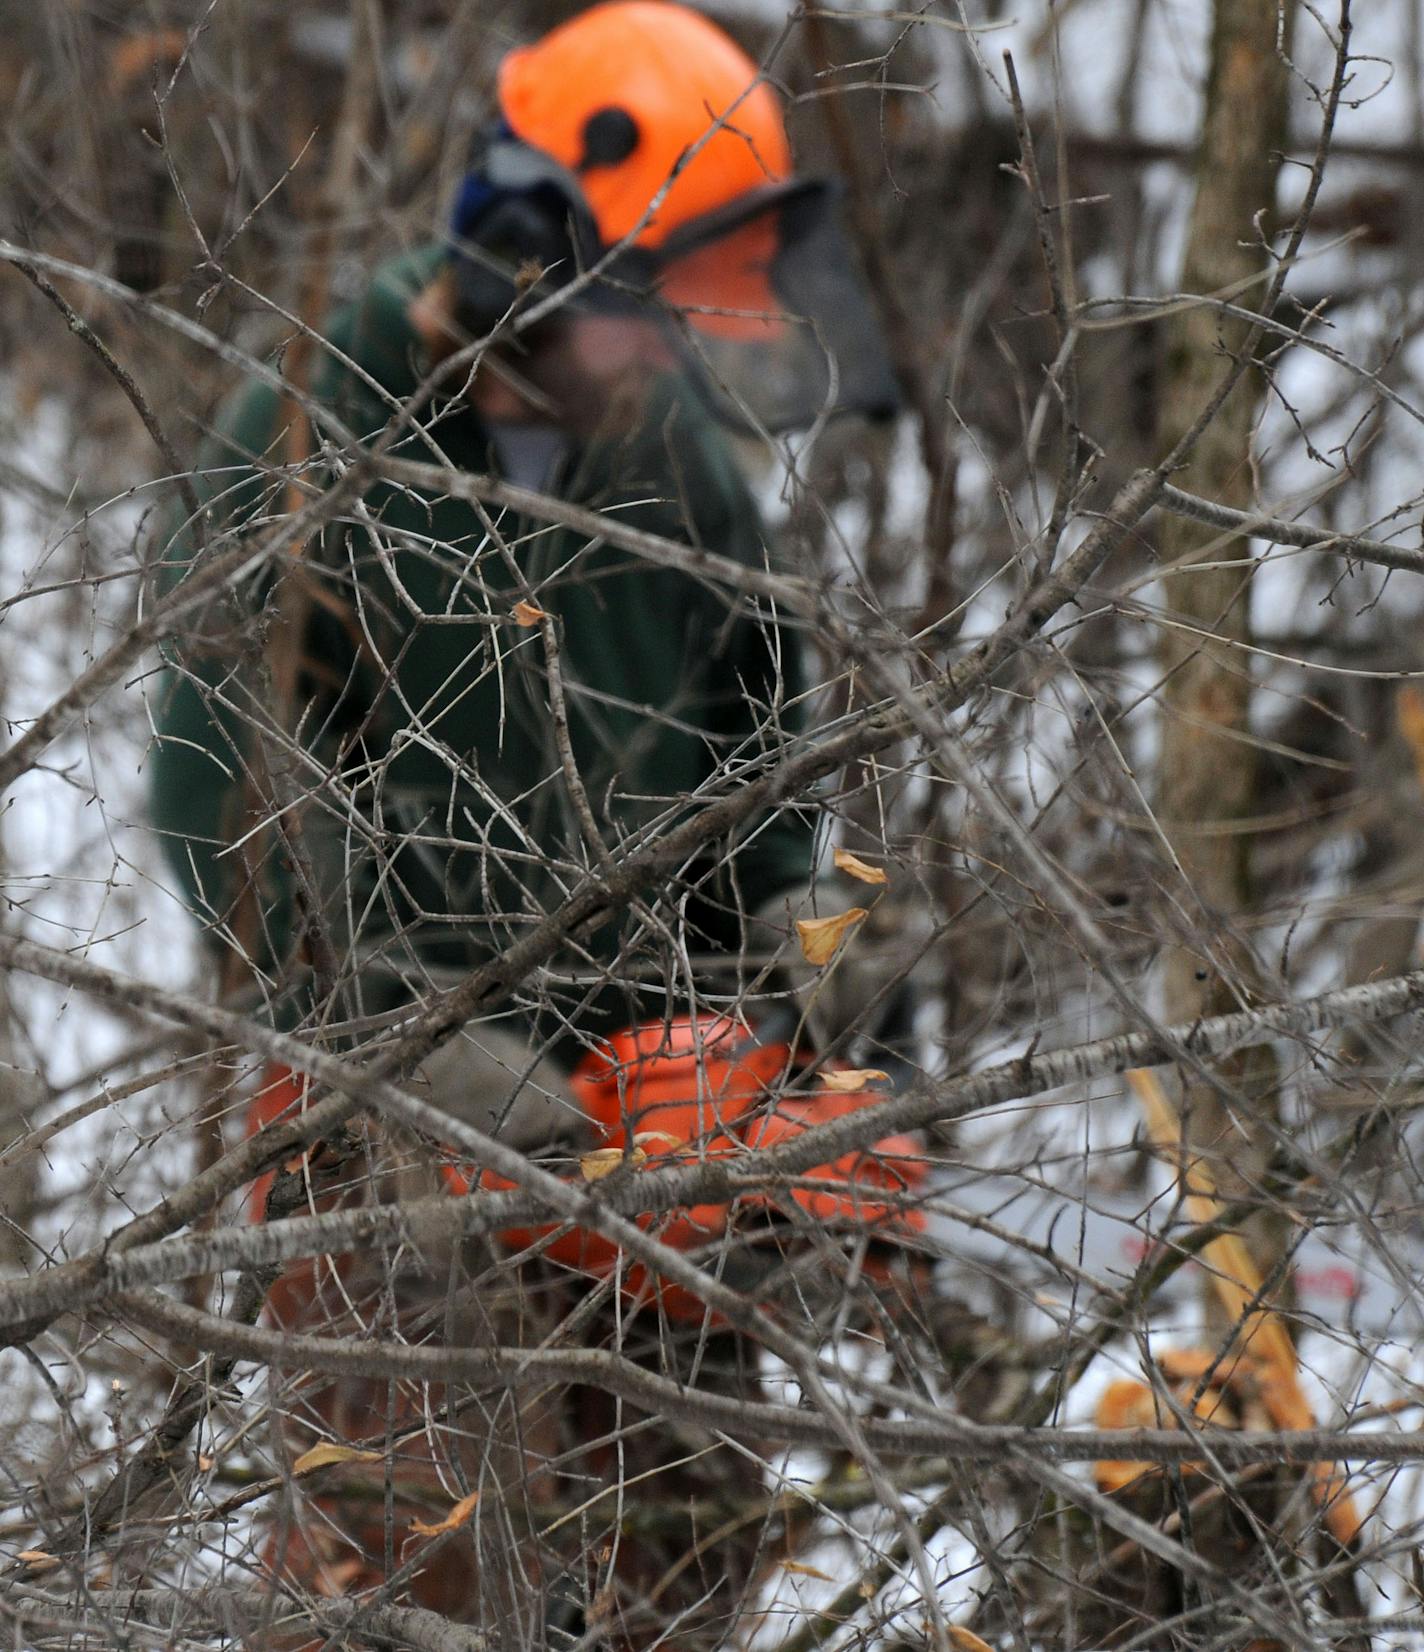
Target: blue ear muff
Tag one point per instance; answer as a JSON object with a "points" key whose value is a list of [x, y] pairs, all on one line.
{"points": [[519, 224], [478, 190], [522, 247], [476, 196]]}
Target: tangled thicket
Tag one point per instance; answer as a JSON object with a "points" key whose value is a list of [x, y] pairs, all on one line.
{"points": [[1115, 631]]}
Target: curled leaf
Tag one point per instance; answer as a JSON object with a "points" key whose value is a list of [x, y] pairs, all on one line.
{"points": [[821, 936], [657, 1139], [527, 614], [330, 1452], [529, 274], [854, 867], [37, 1560], [801, 1569], [335, 1576], [452, 1521], [603, 1161], [852, 1079], [965, 1640]]}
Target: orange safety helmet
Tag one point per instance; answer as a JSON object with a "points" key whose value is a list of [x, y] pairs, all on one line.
{"points": [[622, 92]]}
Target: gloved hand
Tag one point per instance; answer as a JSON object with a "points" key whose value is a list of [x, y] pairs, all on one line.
{"points": [[879, 955], [489, 1076]]}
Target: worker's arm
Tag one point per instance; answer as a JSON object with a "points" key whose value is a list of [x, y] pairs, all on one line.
{"points": [[766, 673], [754, 669], [199, 762]]}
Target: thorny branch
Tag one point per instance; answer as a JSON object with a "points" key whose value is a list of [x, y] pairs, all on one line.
{"points": [[1005, 789]]}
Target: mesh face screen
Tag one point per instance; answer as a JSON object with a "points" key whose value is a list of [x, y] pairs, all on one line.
{"points": [[774, 313]]}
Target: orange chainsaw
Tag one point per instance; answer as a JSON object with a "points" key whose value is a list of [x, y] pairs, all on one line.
{"points": [[693, 1090]]}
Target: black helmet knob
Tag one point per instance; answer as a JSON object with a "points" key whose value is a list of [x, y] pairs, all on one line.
{"points": [[609, 135]]}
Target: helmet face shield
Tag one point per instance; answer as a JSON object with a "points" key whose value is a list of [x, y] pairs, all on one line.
{"points": [[772, 313]]}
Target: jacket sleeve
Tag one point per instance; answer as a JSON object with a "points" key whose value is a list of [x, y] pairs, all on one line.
{"points": [[775, 853], [203, 798], [199, 763], [762, 668]]}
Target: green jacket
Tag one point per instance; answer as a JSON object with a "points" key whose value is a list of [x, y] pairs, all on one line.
{"points": [[439, 820]]}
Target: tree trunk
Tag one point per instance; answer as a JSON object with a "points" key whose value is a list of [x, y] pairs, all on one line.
{"points": [[1208, 776]]}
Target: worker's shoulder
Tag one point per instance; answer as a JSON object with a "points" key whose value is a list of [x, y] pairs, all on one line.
{"points": [[366, 351], [366, 356], [373, 333]]}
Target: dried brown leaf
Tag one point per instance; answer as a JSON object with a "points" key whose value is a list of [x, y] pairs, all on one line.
{"points": [[661, 1137], [821, 936], [527, 615], [37, 1560], [529, 274], [320, 1456], [965, 1639], [854, 867], [334, 1576], [452, 1521], [801, 1569], [603, 1161], [852, 1079]]}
